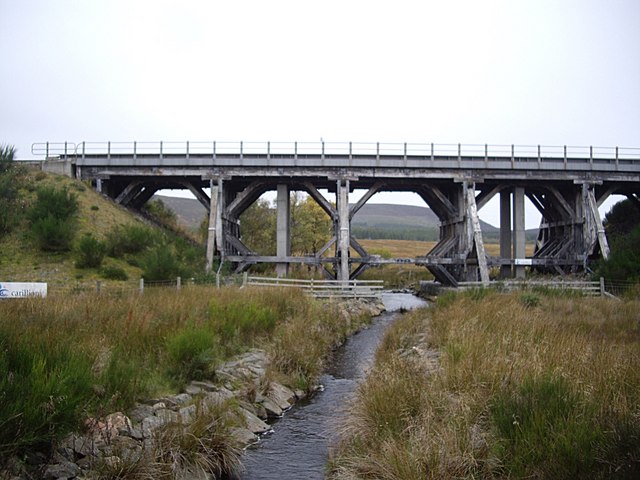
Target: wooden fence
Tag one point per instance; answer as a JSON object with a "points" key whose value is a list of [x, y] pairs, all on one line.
{"points": [[323, 288], [588, 288]]}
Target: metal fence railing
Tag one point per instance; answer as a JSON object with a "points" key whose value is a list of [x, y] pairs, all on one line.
{"points": [[347, 149]]}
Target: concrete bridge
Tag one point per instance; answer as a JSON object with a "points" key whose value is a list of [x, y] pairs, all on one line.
{"points": [[566, 184]]}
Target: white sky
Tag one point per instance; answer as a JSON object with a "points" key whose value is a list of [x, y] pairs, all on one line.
{"points": [[548, 72]]}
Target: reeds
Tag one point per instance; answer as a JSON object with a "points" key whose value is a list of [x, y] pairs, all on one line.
{"points": [[523, 389]]}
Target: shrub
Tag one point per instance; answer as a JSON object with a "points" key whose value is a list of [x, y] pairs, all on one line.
{"points": [[129, 239], [52, 218], [160, 263], [124, 378], [91, 252], [8, 190], [192, 354], [113, 272], [42, 392], [53, 234], [529, 300], [57, 203]]}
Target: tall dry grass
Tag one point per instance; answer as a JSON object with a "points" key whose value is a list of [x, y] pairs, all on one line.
{"points": [[521, 389], [65, 357]]}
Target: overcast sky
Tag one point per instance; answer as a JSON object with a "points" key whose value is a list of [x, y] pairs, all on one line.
{"points": [[549, 72]]}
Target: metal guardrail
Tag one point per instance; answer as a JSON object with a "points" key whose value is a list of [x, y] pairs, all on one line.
{"points": [[347, 149], [323, 288]]}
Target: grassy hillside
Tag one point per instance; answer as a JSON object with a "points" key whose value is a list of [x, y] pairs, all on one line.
{"points": [[22, 260]]}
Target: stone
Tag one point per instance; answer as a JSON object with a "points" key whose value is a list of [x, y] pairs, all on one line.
{"points": [[281, 395], [61, 471], [182, 399], [206, 386], [260, 411], [140, 411], [83, 445], [118, 424], [151, 424], [168, 416], [244, 436], [253, 423], [194, 389], [272, 408], [212, 399], [136, 433], [188, 414]]}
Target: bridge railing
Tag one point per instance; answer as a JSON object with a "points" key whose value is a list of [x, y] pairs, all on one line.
{"points": [[347, 149]]}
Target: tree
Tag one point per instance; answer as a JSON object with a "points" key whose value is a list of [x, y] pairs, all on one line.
{"points": [[622, 224], [623, 217], [311, 227], [258, 227]]}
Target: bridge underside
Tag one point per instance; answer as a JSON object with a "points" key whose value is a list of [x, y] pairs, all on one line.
{"points": [[570, 235]]}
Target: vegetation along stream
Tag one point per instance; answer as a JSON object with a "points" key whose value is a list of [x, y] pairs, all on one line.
{"points": [[298, 447]]}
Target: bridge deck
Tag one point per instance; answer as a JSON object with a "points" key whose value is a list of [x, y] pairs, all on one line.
{"points": [[368, 159]]}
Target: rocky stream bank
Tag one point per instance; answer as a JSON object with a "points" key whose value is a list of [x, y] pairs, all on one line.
{"points": [[198, 433]]}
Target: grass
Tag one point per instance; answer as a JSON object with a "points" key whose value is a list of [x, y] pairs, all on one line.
{"points": [[63, 358], [524, 386], [20, 259]]}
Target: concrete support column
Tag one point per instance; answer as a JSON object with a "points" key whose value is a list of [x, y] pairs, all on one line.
{"points": [[505, 232], [518, 230], [283, 229], [344, 233], [211, 232], [219, 232]]}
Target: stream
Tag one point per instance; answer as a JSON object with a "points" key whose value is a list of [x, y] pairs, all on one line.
{"points": [[299, 445]]}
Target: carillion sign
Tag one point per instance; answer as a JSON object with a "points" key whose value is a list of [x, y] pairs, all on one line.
{"points": [[22, 290]]}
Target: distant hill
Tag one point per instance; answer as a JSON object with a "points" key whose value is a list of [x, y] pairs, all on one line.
{"points": [[402, 222], [373, 220], [189, 211]]}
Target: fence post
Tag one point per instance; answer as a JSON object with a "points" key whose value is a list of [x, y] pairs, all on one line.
{"points": [[602, 290], [98, 286], [178, 283], [141, 285], [244, 279]]}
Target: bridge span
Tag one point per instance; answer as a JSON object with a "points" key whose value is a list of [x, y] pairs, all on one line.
{"points": [[566, 184]]}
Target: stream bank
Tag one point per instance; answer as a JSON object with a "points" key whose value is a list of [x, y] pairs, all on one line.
{"points": [[237, 404], [298, 447]]}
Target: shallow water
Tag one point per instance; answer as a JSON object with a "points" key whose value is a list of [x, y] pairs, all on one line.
{"points": [[299, 446]]}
